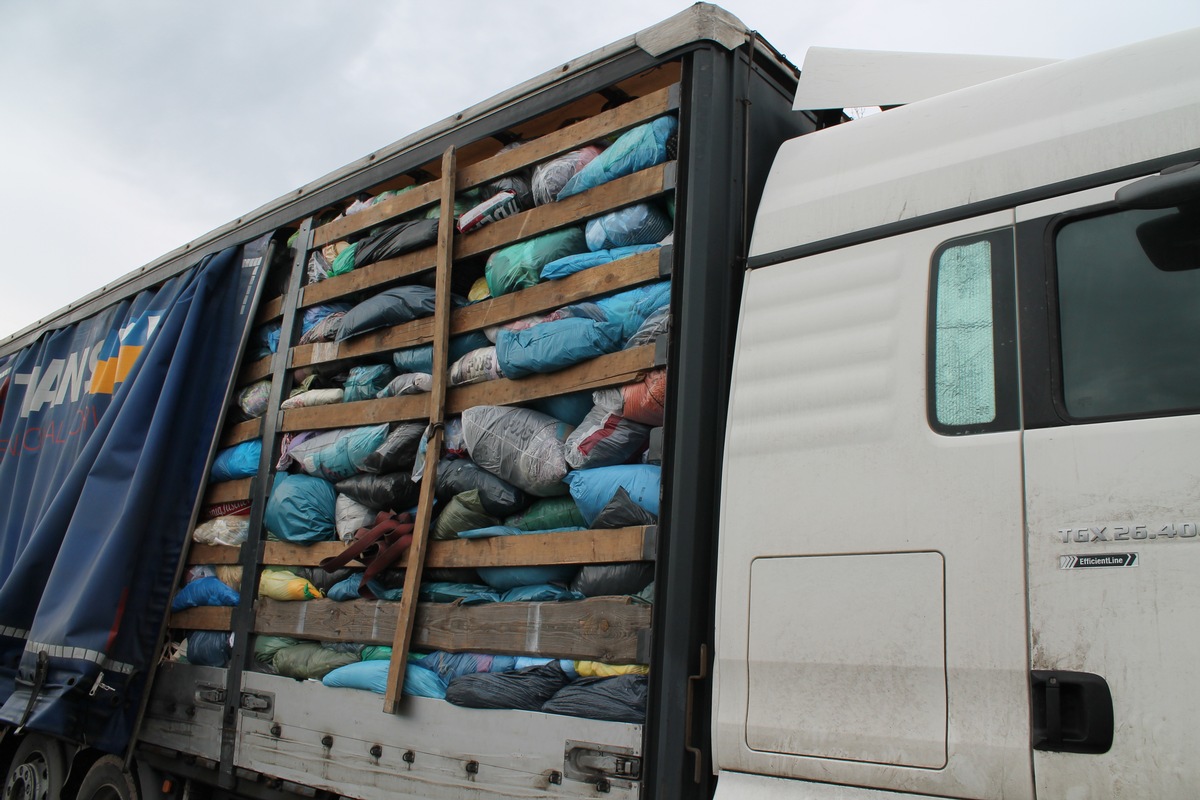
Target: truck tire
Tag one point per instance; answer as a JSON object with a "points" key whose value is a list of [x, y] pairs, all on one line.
{"points": [[37, 770], [108, 780]]}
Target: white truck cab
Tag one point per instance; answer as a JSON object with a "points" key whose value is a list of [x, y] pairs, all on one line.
{"points": [[958, 545]]}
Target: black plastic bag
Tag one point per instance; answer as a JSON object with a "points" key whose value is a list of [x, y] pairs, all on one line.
{"points": [[394, 491], [526, 690], [398, 450], [622, 512], [602, 580], [618, 699], [499, 497], [390, 307], [396, 239]]}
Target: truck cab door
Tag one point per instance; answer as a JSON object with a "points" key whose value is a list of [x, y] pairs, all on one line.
{"points": [[871, 596], [1110, 347]]}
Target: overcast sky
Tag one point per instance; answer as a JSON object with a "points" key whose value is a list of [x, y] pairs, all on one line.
{"points": [[130, 127]]}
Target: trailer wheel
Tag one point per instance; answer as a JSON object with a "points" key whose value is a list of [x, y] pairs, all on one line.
{"points": [[108, 780], [37, 770]]}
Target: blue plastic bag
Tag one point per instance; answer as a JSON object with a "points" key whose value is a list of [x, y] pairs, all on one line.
{"points": [[208, 648], [239, 461], [204, 592], [366, 381], [301, 509], [372, 675], [420, 358], [538, 592], [636, 149], [554, 345], [643, 223], [625, 312], [562, 267], [592, 489]]}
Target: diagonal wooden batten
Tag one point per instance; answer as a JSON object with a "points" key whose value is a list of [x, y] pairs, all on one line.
{"points": [[433, 448]]}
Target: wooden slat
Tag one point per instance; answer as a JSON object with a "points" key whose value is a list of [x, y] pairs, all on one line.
{"points": [[214, 554], [242, 432], [615, 369], [437, 410], [618, 368], [269, 310], [543, 148], [618, 545], [361, 412], [599, 628], [573, 210], [574, 136], [204, 618], [255, 371], [340, 228], [633, 188], [226, 491], [623, 274], [370, 276]]}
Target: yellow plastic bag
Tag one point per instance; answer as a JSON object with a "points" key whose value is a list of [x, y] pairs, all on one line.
{"points": [[597, 669], [279, 584]]}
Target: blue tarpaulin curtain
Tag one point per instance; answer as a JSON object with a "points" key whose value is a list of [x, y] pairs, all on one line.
{"points": [[105, 431]]}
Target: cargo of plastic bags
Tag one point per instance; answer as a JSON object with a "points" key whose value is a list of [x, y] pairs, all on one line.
{"points": [[554, 345], [603, 580], [388, 242], [618, 699], [372, 675], [463, 513], [522, 446], [452, 665], [313, 397], [525, 592], [500, 205], [627, 311], [407, 383], [204, 592], [655, 325], [593, 489], [527, 689], [365, 381], [333, 454], [310, 660], [228, 530], [476, 366], [209, 648], [643, 223], [453, 445], [280, 584], [265, 648], [498, 497], [598, 669], [234, 463], [548, 514], [253, 399], [569, 265], [636, 149], [393, 306], [397, 451], [644, 401], [420, 358], [551, 176], [264, 340], [393, 491], [301, 509], [461, 593], [569, 408], [313, 316], [604, 439], [519, 265], [622, 512]]}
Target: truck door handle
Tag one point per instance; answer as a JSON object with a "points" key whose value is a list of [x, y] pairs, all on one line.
{"points": [[1072, 712]]}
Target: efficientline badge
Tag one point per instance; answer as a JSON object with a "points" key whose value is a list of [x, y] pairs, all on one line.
{"points": [[1106, 560]]}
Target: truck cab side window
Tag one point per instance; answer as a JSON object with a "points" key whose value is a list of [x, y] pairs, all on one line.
{"points": [[971, 386], [1129, 330]]}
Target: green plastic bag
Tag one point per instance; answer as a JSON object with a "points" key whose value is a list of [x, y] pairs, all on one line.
{"points": [[520, 265], [464, 512], [548, 514]]}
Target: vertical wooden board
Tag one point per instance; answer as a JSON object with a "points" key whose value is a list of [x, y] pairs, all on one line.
{"points": [[437, 404]]}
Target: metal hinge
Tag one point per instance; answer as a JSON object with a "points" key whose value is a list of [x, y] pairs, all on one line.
{"points": [[602, 765]]}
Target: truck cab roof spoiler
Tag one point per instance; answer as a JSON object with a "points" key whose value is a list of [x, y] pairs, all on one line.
{"points": [[844, 78]]}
